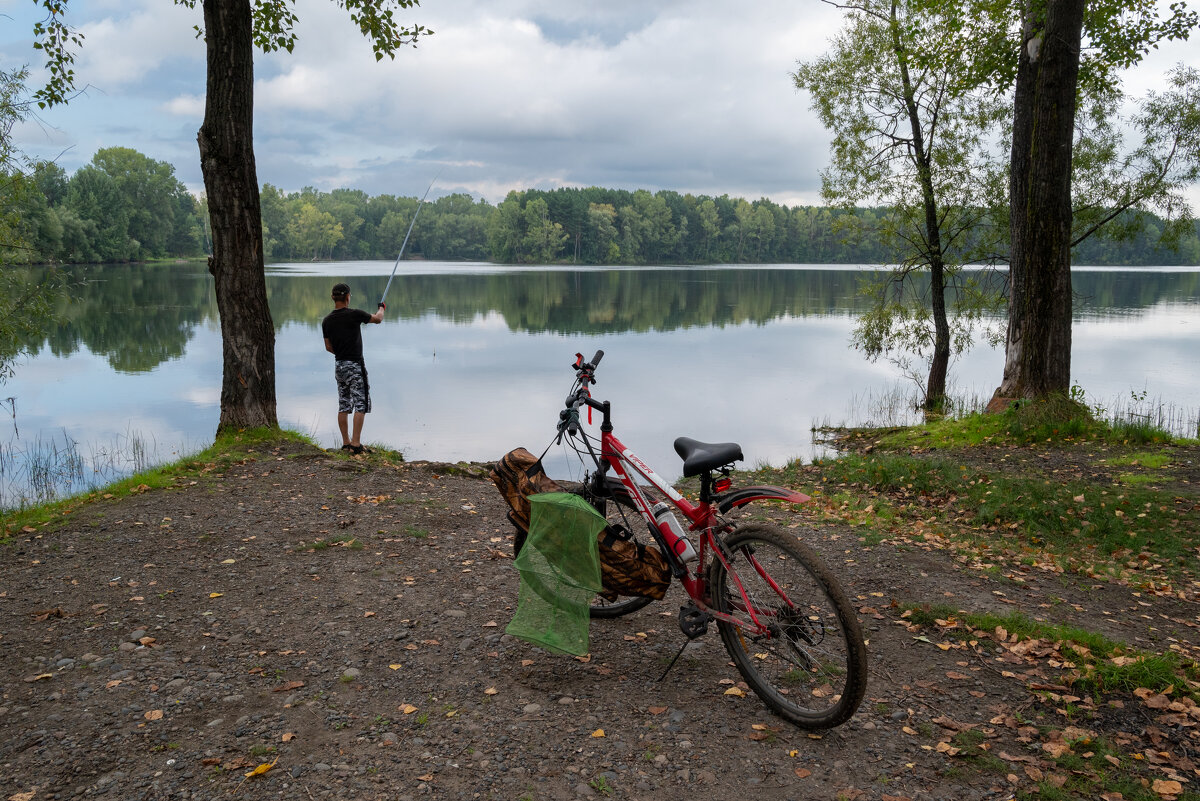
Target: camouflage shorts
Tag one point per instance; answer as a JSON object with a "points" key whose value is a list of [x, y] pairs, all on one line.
{"points": [[353, 394]]}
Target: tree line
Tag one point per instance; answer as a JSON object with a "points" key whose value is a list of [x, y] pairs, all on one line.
{"points": [[125, 206]]}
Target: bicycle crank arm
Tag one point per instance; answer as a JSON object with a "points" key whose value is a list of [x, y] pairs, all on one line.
{"points": [[765, 492]]}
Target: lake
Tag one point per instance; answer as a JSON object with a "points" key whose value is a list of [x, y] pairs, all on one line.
{"points": [[474, 359]]}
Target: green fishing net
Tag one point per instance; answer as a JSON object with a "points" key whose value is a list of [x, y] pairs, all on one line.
{"points": [[560, 573]]}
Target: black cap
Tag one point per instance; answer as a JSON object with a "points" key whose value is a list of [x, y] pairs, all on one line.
{"points": [[341, 291]]}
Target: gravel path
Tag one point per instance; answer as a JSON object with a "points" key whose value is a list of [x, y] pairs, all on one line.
{"points": [[342, 621]]}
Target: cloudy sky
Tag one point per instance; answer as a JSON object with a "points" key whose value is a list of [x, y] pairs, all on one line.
{"points": [[690, 95]]}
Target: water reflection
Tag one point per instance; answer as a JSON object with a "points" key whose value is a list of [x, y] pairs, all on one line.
{"points": [[473, 359], [140, 316]]}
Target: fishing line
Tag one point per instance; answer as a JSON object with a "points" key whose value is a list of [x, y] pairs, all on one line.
{"points": [[405, 243]]}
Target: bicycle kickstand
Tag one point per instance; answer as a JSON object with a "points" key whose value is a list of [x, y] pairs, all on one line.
{"points": [[693, 623]]}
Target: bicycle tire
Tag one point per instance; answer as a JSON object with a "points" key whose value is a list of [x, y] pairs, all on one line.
{"points": [[615, 508], [810, 668]]}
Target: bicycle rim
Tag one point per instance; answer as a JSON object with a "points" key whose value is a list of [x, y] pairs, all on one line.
{"points": [[798, 643]]}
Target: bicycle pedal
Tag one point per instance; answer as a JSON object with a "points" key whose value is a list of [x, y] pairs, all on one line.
{"points": [[693, 622]]}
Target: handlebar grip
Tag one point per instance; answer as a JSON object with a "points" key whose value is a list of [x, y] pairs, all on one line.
{"points": [[596, 359]]}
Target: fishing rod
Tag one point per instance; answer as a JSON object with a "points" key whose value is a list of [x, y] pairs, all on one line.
{"points": [[405, 243]]}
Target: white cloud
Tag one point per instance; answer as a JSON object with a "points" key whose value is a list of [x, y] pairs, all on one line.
{"points": [[691, 95]]}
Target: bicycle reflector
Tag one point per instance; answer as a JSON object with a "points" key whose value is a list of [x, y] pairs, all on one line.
{"points": [[722, 484]]}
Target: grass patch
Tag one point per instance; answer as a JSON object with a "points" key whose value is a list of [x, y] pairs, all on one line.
{"points": [[1146, 459], [1023, 423], [340, 541], [229, 449], [1079, 522], [1101, 665], [1094, 768]]}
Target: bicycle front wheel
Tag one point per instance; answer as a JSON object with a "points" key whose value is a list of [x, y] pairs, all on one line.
{"points": [[797, 641], [620, 511]]}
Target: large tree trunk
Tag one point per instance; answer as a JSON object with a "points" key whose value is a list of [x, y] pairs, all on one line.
{"points": [[1037, 356], [227, 159]]}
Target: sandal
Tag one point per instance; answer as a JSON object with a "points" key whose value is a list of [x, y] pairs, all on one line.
{"points": [[355, 449]]}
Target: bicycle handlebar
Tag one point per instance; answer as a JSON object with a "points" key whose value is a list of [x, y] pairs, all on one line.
{"points": [[568, 418]]}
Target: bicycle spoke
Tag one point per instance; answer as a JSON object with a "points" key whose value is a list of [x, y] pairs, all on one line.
{"points": [[798, 644]]}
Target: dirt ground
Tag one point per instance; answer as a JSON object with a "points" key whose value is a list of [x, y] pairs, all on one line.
{"points": [[341, 620]]}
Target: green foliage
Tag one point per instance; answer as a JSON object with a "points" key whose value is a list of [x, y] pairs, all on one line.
{"points": [[1117, 34], [123, 206], [273, 29]]}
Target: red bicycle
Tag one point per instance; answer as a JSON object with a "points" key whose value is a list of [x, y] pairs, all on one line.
{"points": [[788, 626]]}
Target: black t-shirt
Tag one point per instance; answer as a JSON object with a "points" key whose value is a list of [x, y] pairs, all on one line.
{"points": [[341, 328]]}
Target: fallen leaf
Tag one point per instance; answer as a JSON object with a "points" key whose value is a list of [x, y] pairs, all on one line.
{"points": [[261, 769], [396, 666], [288, 736], [803, 773], [428, 777], [40, 677], [368, 614], [491, 691], [954, 674], [598, 733], [656, 710], [407, 709], [215, 594], [738, 691], [154, 714], [1166, 787], [1056, 748], [230, 562]]}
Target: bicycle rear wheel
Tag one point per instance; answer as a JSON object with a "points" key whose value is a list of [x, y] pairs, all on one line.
{"points": [[805, 656]]}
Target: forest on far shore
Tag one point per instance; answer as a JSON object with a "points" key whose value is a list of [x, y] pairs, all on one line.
{"points": [[125, 206]]}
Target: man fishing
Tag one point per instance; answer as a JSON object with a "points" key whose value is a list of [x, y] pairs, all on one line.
{"points": [[343, 338]]}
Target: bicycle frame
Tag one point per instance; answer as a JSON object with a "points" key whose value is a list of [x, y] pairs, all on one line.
{"points": [[703, 517], [780, 613]]}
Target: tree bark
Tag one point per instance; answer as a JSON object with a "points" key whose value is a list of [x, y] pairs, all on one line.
{"points": [[1037, 357], [226, 141]]}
